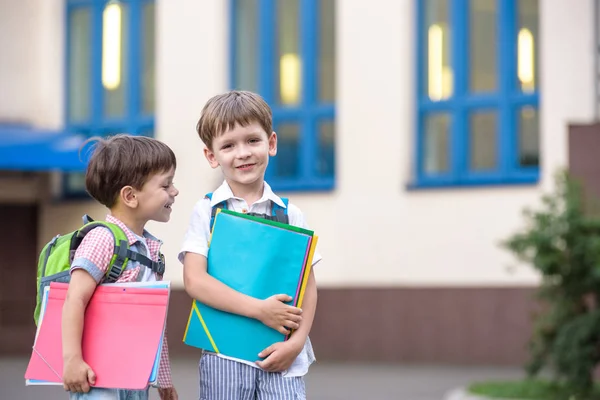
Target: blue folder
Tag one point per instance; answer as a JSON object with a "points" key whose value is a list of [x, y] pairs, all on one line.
{"points": [[257, 259]]}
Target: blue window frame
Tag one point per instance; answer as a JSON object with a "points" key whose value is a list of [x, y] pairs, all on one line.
{"points": [[110, 71], [477, 92], [285, 51]]}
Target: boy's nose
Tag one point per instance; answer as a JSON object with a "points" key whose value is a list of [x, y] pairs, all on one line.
{"points": [[243, 152]]}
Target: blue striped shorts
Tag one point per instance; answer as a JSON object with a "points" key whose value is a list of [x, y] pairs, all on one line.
{"points": [[222, 379]]}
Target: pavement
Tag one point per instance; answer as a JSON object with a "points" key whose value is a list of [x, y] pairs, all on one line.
{"points": [[325, 381]]}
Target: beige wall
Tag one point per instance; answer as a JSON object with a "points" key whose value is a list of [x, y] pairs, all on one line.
{"points": [[32, 53], [568, 78], [192, 54], [373, 232], [21, 188]]}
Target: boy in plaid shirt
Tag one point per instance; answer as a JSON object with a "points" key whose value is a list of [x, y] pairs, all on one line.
{"points": [[133, 177]]}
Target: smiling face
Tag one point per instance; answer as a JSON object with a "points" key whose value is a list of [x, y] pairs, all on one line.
{"points": [[156, 198], [243, 154]]}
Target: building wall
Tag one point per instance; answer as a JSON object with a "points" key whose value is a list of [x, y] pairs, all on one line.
{"points": [[403, 237], [446, 237], [31, 71], [425, 263], [568, 83]]}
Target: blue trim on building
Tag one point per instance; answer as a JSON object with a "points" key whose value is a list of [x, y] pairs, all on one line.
{"points": [[24, 148], [505, 101], [309, 113]]}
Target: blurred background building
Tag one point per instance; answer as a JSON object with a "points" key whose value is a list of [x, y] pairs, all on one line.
{"points": [[411, 133]]}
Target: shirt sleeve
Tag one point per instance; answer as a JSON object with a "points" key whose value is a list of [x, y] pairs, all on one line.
{"points": [[198, 232], [297, 219], [164, 368], [94, 253]]}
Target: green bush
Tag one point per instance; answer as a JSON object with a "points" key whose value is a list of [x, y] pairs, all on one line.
{"points": [[562, 242], [524, 390]]}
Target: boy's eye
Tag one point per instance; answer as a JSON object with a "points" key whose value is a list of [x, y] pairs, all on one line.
{"points": [[254, 140], [226, 146]]}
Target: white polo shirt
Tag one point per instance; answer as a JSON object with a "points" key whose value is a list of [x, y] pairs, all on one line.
{"points": [[198, 233]]}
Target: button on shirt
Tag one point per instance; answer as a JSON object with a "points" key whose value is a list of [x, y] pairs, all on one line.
{"points": [[198, 233]]}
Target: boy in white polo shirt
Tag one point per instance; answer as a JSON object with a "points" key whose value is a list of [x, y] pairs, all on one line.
{"points": [[236, 129]]}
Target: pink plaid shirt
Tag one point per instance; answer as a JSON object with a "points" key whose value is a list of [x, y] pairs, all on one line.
{"points": [[94, 254]]}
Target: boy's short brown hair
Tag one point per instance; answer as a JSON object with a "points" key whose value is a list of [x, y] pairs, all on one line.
{"points": [[222, 112], [125, 160]]}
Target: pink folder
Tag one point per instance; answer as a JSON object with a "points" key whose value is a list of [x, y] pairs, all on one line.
{"points": [[122, 331]]}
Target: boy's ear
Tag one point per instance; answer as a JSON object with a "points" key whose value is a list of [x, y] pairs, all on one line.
{"points": [[128, 198], [210, 156], [273, 144]]}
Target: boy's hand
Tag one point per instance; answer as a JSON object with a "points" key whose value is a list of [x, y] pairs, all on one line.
{"points": [[279, 316], [168, 393], [279, 356], [78, 376]]}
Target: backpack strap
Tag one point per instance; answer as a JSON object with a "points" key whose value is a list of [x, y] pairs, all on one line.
{"points": [[280, 212], [157, 267], [122, 252], [213, 212]]}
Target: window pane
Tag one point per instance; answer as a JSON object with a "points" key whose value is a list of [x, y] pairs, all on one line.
{"points": [[483, 141], [529, 133], [438, 36], [528, 45], [75, 182], [246, 44], [114, 58], [148, 58], [79, 64], [483, 45], [288, 150], [288, 64], [436, 143], [327, 51], [326, 151]]}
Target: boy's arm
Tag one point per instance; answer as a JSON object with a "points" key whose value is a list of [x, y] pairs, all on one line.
{"points": [[208, 290], [309, 308], [309, 303], [81, 289], [280, 356], [87, 270]]}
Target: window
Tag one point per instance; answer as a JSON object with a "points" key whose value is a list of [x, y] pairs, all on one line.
{"points": [[285, 51], [109, 70], [477, 98]]}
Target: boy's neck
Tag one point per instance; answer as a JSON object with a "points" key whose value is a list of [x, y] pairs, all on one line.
{"points": [[134, 224], [250, 193]]}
